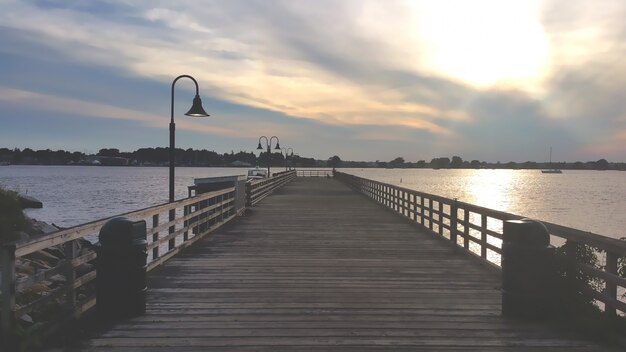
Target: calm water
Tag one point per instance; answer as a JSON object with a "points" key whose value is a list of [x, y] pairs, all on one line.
{"points": [[593, 201], [74, 195], [589, 200]]}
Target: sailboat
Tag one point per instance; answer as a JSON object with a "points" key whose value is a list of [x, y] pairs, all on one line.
{"points": [[551, 170]]}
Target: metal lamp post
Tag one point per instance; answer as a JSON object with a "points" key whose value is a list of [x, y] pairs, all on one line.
{"points": [[195, 111], [286, 150], [268, 143]]}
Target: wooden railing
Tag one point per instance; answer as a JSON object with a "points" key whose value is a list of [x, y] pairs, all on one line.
{"points": [[258, 189], [478, 230], [314, 173], [194, 218]]}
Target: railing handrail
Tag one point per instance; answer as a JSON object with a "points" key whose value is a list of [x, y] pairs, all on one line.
{"points": [[259, 189], [73, 233], [201, 215], [435, 218], [314, 172]]}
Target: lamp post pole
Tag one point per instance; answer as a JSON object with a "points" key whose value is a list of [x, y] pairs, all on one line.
{"points": [[286, 150], [268, 143], [195, 111]]}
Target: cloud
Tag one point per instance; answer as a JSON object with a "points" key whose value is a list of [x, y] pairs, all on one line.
{"points": [[365, 68], [45, 102]]}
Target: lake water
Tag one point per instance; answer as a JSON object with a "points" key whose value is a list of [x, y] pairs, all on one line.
{"points": [[593, 201]]}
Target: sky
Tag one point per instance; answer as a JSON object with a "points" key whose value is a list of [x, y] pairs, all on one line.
{"points": [[492, 80]]}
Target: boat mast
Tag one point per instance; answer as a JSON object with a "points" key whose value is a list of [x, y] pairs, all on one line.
{"points": [[550, 157]]}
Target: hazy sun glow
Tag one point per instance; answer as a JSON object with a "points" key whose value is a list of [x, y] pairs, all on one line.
{"points": [[483, 42]]}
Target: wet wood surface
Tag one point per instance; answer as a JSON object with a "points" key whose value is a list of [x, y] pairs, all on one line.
{"points": [[318, 267]]}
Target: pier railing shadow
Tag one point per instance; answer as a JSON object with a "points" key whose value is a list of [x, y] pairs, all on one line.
{"points": [[478, 231]]}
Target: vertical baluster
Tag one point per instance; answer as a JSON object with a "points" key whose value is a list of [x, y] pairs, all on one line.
{"points": [[404, 207], [155, 236], [221, 208], [430, 214], [7, 256], [422, 210], [398, 195], [611, 288], [483, 236], [186, 223], [466, 228], [395, 198], [172, 229], [454, 209], [70, 275], [440, 218]]}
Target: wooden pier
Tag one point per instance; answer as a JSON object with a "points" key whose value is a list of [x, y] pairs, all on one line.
{"points": [[319, 267]]}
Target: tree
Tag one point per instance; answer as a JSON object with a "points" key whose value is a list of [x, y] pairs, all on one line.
{"points": [[334, 161], [602, 164], [111, 152], [397, 162], [440, 163], [457, 162]]}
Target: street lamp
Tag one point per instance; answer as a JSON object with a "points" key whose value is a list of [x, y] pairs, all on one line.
{"points": [[268, 143], [286, 150], [195, 111]]}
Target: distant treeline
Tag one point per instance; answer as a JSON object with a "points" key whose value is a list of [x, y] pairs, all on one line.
{"points": [[192, 157], [147, 157], [458, 163]]}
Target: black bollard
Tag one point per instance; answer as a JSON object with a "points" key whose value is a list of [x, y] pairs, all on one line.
{"points": [[121, 269], [528, 270]]}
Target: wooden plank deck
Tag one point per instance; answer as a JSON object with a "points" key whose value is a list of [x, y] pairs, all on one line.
{"points": [[318, 267]]}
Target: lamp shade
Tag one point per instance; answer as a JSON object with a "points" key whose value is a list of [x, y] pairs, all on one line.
{"points": [[196, 108], [277, 145], [259, 146]]}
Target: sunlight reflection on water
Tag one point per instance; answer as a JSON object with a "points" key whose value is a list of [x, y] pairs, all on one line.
{"points": [[588, 200]]}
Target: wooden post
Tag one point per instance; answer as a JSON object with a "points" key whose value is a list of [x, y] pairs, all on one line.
{"points": [[405, 206], [430, 214], [483, 236], [172, 229], [440, 217], [422, 210], [396, 200], [466, 228], [186, 223], [221, 208], [8, 294], [155, 236], [570, 265], [454, 209], [70, 275], [248, 194], [611, 287]]}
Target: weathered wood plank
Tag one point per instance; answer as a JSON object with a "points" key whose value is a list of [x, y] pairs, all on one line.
{"points": [[318, 267]]}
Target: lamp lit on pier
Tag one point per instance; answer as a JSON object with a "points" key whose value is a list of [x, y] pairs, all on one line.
{"points": [[268, 143]]}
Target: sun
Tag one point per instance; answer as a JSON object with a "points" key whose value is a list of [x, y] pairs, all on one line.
{"points": [[482, 42]]}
